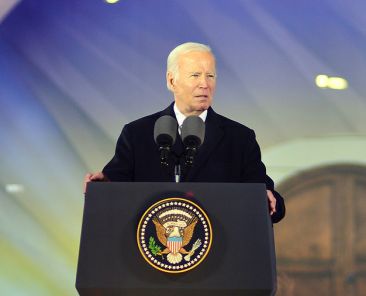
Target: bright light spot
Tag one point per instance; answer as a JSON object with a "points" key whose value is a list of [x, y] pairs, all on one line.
{"points": [[111, 1], [321, 81], [324, 81], [14, 188], [337, 83]]}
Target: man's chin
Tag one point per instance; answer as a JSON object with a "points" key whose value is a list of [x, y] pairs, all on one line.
{"points": [[203, 105], [198, 107]]}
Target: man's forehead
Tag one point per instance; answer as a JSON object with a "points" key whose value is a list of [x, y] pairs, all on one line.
{"points": [[194, 55], [197, 59]]}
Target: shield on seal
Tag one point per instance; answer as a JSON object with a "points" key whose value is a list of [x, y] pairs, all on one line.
{"points": [[174, 244]]}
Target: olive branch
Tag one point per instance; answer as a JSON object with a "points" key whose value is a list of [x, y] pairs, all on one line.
{"points": [[154, 248]]}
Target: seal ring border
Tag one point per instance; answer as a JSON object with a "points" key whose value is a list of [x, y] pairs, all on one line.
{"points": [[142, 219]]}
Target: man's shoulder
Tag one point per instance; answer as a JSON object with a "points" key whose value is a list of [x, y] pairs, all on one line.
{"points": [[149, 120], [228, 123]]}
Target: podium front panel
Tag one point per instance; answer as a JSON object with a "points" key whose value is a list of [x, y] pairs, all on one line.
{"points": [[241, 260]]}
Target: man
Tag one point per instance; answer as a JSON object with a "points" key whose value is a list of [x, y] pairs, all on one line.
{"points": [[229, 153]]}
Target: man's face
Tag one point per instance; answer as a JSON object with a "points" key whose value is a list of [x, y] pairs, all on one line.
{"points": [[195, 85]]}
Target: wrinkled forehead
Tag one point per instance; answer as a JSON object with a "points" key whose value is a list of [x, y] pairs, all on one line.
{"points": [[197, 61]]}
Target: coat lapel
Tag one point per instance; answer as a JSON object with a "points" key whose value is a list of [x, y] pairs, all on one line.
{"points": [[213, 135]]}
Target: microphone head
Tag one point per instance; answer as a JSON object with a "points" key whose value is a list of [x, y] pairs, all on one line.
{"points": [[165, 131], [193, 131]]}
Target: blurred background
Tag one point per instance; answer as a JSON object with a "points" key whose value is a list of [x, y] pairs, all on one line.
{"points": [[72, 73]]}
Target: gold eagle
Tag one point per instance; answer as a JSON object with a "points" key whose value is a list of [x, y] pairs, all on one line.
{"points": [[162, 235]]}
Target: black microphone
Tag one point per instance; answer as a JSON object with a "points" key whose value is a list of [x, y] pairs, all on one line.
{"points": [[165, 131], [193, 134]]}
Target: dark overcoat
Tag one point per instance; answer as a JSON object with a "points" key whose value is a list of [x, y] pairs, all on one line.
{"points": [[229, 153]]}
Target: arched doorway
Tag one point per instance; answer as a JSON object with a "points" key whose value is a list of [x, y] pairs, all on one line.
{"points": [[321, 243]]}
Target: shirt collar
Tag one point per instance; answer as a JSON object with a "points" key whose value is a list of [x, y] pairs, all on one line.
{"points": [[180, 116]]}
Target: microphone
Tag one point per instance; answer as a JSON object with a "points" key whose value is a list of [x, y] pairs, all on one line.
{"points": [[165, 131], [193, 134]]}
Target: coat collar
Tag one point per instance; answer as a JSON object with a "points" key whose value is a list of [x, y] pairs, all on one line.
{"points": [[213, 135]]}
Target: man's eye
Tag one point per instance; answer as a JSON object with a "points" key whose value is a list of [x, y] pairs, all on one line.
{"points": [[195, 75], [211, 76]]}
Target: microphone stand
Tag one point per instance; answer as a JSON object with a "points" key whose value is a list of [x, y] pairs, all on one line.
{"points": [[189, 158], [177, 168], [189, 155], [164, 156], [177, 172]]}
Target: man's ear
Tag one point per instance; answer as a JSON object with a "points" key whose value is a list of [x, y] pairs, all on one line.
{"points": [[170, 80]]}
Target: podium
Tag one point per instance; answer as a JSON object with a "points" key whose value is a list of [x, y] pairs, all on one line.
{"points": [[241, 260]]}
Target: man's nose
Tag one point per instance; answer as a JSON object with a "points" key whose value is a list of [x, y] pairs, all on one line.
{"points": [[203, 82]]}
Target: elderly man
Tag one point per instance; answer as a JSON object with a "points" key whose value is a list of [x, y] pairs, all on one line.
{"points": [[230, 152]]}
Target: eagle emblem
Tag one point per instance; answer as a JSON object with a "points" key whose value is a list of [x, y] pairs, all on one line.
{"points": [[174, 235]]}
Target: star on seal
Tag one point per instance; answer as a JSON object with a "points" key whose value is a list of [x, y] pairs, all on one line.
{"points": [[174, 235]]}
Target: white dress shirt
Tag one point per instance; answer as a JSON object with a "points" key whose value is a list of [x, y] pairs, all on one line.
{"points": [[180, 117]]}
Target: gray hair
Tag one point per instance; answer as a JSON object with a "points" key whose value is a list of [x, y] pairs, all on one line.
{"points": [[173, 57]]}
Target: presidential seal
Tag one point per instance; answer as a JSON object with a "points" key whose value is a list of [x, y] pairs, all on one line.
{"points": [[174, 235]]}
